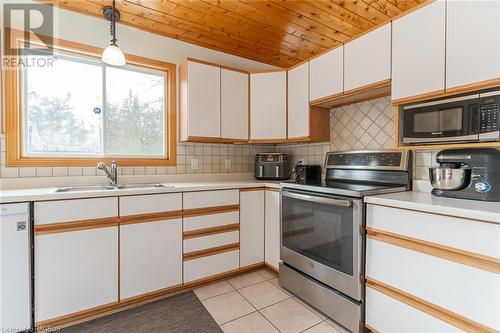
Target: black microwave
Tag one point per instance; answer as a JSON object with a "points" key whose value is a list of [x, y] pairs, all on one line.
{"points": [[470, 118]]}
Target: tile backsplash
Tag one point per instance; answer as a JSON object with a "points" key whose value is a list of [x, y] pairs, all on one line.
{"points": [[364, 125]]}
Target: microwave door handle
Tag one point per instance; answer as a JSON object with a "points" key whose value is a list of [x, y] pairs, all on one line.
{"points": [[312, 198]]}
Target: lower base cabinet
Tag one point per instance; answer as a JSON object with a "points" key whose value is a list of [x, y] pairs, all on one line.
{"points": [[387, 315], [272, 229], [75, 271], [252, 214], [150, 256]]}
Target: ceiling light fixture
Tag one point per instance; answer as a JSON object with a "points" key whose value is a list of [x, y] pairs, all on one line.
{"points": [[112, 55]]}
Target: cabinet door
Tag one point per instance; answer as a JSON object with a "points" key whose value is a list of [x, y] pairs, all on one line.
{"points": [[75, 271], [472, 42], [326, 74], [251, 227], [272, 229], [418, 52], [368, 59], [203, 100], [150, 256], [234, 104], [298, 101], [268, 106]]}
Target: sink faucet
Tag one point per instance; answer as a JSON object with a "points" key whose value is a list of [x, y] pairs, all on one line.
{"points": [[111, 173]]}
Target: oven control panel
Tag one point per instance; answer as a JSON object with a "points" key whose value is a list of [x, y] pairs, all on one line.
{"points": [[367, 160]]}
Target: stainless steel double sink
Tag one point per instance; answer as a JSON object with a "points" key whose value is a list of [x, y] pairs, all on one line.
{"points": [[111, 187]]}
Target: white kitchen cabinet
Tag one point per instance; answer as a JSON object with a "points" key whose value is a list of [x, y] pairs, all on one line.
{"points": [[326, 74], [204, 199], [234, 104], [472, 42], [418, 52], [368, 59], [268, 106], [58, 211], [150, 256], [388, 315], [272, 229], [75, 271], [298, 101], [202, 267], [252, 216], [200, 101]]}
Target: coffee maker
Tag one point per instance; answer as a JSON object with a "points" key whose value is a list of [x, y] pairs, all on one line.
{"points": [[467, 174]]}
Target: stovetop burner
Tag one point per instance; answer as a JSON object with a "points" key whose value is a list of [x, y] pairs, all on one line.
{"points": [[360, 173]]}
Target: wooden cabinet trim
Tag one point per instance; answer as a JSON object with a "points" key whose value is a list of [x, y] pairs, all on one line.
{"points": [[53, 228], [215, 140], [150, 217], [210, 251], [436, 311], [210, 210], [272, 189], [210, 231], [253, 189], [463, 257]]}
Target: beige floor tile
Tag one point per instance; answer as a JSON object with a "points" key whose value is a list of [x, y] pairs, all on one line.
{"points": [[267, 274], [290, 316], [313, 309], [245, 280], [252, 323], [263, 294], [226, 307], [213, 289], [323, 327]]}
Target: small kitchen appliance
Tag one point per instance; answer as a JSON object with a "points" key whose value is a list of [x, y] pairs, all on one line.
{"points": [[466, 118], [272, 166], [308, 174], [322, 230], [467, 174]]}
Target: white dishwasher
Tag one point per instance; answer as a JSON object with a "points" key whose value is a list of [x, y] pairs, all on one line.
{"points": [[15, 267]]}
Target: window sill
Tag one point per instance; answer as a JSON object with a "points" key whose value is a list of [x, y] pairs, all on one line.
{"points": [[83, 162]]}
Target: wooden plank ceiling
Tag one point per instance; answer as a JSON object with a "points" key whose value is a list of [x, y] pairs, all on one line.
{"points": [[277, 32]]}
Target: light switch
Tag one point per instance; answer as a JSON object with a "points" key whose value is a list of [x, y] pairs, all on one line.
{"points": [[194, 164], [227, 164]]}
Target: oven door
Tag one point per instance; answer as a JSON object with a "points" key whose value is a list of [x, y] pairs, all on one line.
{"points": [[455, 119], [321, 236]]}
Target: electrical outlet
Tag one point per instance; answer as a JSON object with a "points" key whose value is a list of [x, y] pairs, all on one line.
{"points": [[227, 164], [194, 164]]}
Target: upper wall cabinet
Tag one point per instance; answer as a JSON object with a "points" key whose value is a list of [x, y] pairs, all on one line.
{"points": [[268, 107], [418, 53], [298, 102], [326, 75], [234, 105], [368, 59], [200, 101], [472, 42], [214, 103]]}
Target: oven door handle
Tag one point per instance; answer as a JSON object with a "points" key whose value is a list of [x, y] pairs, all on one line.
{"points": [[312, 198]]}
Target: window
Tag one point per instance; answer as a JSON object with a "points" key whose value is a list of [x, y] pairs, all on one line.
{"points": [[79, 110]]}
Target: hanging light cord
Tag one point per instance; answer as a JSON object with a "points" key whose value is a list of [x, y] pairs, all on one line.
{"points": [[112, 25]]}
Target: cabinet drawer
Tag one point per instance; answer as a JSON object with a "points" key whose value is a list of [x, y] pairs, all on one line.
{"points": [[468, 291], [211, 265], [436, 228], [75, 210], [210, 199], [212, 220], [209, 241], [154, 203], [388, 315]]}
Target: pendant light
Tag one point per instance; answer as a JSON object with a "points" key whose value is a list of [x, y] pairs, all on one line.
{"points": [[112, 55]]}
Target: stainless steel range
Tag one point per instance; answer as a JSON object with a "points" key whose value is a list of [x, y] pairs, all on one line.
{"points": [[322, 230]]}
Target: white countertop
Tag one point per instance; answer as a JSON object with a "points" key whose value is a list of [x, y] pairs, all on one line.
{"points": [[426, 202], [42, 194]]}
